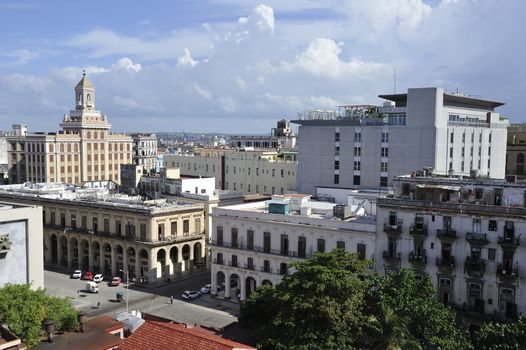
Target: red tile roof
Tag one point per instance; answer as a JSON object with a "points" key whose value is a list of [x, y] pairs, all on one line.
{"points": [[170, 336]]}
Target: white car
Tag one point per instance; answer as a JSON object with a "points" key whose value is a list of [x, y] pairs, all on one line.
{"points": [[191, 294], [76, 274], [98, 278], [206, 289]]}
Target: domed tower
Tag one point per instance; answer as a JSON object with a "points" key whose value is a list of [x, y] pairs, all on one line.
{"points": [[84, 94]]}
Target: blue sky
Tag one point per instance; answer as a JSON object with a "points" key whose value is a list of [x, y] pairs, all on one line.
{"points": [[239, 65]]}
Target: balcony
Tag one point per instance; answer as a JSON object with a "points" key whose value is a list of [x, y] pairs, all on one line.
{"points": [[447, 235], [218, 261], [394, 230], [507, 274], [446, 265], [419, 230], [477, 238], [475, 267], [417, 259], [509, 241], [391, 257]]}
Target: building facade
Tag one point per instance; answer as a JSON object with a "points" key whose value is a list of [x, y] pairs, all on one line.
{"points": [[465, 234], [96, 230], [281, 136], [21, 249], [425, 127], [267, 172], [516, 150], [253, 243], [145, 151], [84, 150]]}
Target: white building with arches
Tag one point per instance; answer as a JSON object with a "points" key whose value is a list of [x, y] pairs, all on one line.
{"points": [[254, 243], [94, 230]]}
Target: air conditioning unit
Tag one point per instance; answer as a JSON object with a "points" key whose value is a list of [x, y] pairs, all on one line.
{"points": [[342, 211]]}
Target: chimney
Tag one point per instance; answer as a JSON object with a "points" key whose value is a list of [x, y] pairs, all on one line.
{"points": [[49, 326]]}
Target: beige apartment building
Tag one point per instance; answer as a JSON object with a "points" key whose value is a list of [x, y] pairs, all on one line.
{"points": [[84, 150], [247, 171], [516, 150], [95, 230]]}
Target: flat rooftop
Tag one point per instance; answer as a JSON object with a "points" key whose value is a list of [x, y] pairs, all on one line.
{"points": [[459, 181], [100, 197]]}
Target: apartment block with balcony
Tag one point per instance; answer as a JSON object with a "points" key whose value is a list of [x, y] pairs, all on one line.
{"points": [[93, 229], [464, 233], [145, 151], [367, 145], [254, 243]]}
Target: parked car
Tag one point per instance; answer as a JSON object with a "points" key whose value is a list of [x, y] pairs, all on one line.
{"points": [[98, 278], [76, 274], [206, 289], [115, 281], [92, 287], [191, 294], [87, 276]]}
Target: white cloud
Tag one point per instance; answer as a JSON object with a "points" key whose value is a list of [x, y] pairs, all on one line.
{"points": [[186, 59], [125, 102], [21, 56], [126, 63]]}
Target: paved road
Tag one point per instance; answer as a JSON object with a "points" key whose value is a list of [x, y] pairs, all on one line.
{"points": [[205, 310]]}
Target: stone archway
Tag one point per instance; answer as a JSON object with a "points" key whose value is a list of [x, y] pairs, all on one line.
{"points": [[251, 285], [74, 246], [266, 283], [186, 257], [84, 257], [106, 259], [143, 266], [220, 281], [130, 255], [63, 247], [163, 269], [174, 254], [119, 261], [54, 249], [235, 287], [95, 251], [197, 254]]}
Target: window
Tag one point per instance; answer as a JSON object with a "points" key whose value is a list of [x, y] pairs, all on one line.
{"points": [[356, 180], [358, 136], [360, 249], [250, 239], [250, 263], [340, 245], [321, 245], [385, 136], [336, 179], [266, 266], [357, 151], [451, 152], [73, 220], [84, 222], [385, 152], [336, 165], [266, 242], [302, 247], [63, 219], [337, 137], [118, 227], [491, 254], [234, 261], [476, 225], [284, 245], [357, 165], [143, 232], [492, 225], [463, 137], [186, 226], [383, 181], [233, 237], [219, 235], [173, 228], [451, 137], [106, 225], [337, 151], [383, 167], [219, 259]]}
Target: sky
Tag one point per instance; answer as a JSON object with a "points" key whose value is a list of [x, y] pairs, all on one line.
{"points": [[237, 66]]}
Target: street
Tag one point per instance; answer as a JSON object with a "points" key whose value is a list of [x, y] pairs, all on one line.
{"points": [[205, 310]]}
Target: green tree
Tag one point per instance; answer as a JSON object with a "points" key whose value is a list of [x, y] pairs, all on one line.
{"points": [[319, 306], [501, 336], [23, 310], [432, 324]]}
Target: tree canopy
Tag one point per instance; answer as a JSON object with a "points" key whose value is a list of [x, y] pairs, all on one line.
{"points": [[501, 336], [333, 301], [24, 310]]}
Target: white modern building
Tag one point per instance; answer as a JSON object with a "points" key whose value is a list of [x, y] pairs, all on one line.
{"points": [[368, 145], [254, 243], [248, 171], [464, 233], [21, 245]]}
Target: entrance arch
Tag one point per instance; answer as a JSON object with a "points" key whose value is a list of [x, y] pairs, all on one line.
{"points": [[107, 261], [266, 283], [84, 258], [143, 265], [161, 264], [130, 254], [235, 286], [63, 247], [186, 257], [250, 285], [197, 254], [54, 249]]}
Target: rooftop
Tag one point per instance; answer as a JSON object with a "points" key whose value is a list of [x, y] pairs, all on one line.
{"points": [[167, 336], [454, 99], [101, 197]]}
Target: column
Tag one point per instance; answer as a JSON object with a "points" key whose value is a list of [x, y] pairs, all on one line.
{"points": [[154, 275], [227, 285], [113, 261], [243, 292], [214, 282]]}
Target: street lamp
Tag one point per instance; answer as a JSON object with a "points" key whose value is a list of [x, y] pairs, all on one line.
{"points": [[127, 288]]}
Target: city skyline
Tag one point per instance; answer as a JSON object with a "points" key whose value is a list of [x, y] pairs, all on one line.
{"points": [[232, 66]]}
